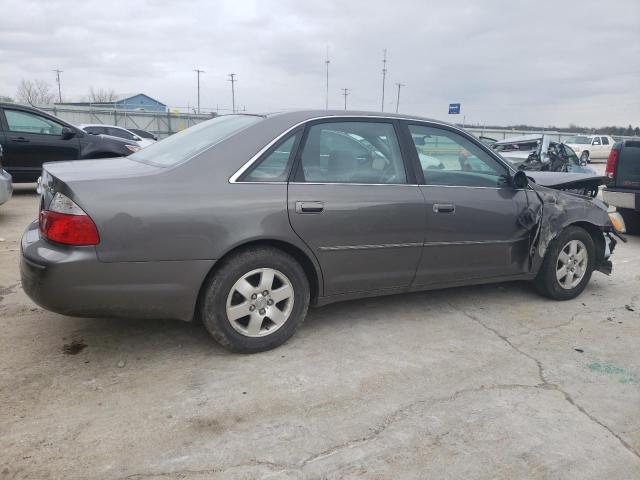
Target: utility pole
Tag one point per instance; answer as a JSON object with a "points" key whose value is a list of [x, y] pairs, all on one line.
{"points": [[326, 101], [198, 72], [58, 72], [384, 74], [400, 85], [232, 79], [345, 92]]}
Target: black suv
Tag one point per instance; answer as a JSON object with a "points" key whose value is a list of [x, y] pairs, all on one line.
{"points": [[31, 137], [623, 188]]}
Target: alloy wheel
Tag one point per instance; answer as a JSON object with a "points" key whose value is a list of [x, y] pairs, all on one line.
{"points": [[260, 302], [572, 264]]}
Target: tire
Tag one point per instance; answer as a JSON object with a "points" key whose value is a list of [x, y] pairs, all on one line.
{"points": [[548, 283], [584, 157], [270, 319], [631, 220]]}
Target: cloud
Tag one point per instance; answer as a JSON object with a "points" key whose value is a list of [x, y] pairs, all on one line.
{"points": [[505, 61]]}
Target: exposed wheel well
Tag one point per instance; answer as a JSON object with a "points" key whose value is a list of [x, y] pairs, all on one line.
{"points": [[300, 256], [596, 235]]}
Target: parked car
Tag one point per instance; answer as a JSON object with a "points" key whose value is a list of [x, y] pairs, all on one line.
{"points": [[541, 153], [6, 183], [243, 221], [623, 188], [31, 137], [143, 134], [591, 147], [115, 131]]}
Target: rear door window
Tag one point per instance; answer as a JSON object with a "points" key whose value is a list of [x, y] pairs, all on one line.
{"points": [[352, 152], [605, 141]]}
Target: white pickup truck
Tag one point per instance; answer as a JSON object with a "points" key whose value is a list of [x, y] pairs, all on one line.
{"points": [[590, 146]]}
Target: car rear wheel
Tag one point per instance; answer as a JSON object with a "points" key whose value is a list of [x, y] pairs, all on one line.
{"points": [[585, 157], [256, 300], [567, 265]]}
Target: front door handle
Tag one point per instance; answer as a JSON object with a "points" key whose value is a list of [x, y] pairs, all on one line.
{"points": [[444, 208], [20, 139], [309, 207]]}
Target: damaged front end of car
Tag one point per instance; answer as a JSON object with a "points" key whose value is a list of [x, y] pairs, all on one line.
{"points": [[570, 201]]}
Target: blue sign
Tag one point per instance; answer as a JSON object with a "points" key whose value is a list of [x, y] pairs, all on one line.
{"points": [[454, 109]]}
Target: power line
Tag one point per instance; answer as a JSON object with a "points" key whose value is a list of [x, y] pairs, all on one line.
{"points": [[345, 92], [326, 101], [384, 74], [198, 72], [400, 85], [58, 72], [232, 79]]}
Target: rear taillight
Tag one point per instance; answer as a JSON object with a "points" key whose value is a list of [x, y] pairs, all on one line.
{"points": [[65, 222], [612, 163]]}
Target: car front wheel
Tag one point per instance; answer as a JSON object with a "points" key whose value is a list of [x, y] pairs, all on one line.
{"points": [[567, 265], [256, 300]]}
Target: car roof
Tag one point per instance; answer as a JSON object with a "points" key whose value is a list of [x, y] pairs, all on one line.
{"points": [[82, 125], [302, 115]]}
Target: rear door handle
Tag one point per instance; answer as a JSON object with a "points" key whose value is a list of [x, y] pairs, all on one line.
{"points": [[444, 208], [20, 139], [309, 207]]}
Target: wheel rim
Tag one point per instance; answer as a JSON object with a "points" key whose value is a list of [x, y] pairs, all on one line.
{"points": [[572, 264], [260, 302]]}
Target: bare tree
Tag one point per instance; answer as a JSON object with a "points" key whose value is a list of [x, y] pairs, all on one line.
{"points": [[101, 95], [36, 92]]}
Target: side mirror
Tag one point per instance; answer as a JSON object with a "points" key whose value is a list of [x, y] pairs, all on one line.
{"points": [[520, 180], [67, 133], [136, 138]]}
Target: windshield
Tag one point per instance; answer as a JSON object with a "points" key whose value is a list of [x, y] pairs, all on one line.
{"points": [[578, 140], [186, 144]]}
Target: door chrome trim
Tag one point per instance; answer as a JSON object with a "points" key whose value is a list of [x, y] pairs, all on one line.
{"points": [[247, 164], [474, 242], [419, 244], [369, 247]]}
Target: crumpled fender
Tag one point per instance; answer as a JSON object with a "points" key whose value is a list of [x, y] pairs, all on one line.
{"points": [[557, 211]]}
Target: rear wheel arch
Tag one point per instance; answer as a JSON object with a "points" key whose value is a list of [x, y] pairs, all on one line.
{"points": [[311, 269]]}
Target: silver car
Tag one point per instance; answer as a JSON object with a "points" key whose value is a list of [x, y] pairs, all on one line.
{"points": [[244, 221], [6, 183]]}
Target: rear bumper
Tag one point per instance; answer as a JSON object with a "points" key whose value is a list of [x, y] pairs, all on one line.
{"points": [[622, 198], [72, 281], [6, 186]]}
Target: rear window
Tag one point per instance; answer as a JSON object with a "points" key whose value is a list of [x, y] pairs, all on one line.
{"points": [[190, 142]]}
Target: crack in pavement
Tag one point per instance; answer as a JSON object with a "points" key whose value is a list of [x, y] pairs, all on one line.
{"points": [[544, 383], [404, 411], [390, 419]]}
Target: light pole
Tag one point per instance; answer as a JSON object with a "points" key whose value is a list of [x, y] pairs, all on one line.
{"points": [[232, 79], [384, 74], [198, 72], [58, 72], [345, 92], [326, 101], [400, 85]]}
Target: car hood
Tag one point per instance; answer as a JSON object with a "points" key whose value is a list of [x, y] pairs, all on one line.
{"points": [[565, 180]]}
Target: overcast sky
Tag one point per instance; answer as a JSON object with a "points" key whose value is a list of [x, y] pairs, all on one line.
{"points": [[507, 62]]}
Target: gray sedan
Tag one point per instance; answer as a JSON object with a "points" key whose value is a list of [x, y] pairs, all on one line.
{"points": [[243, 221]]}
